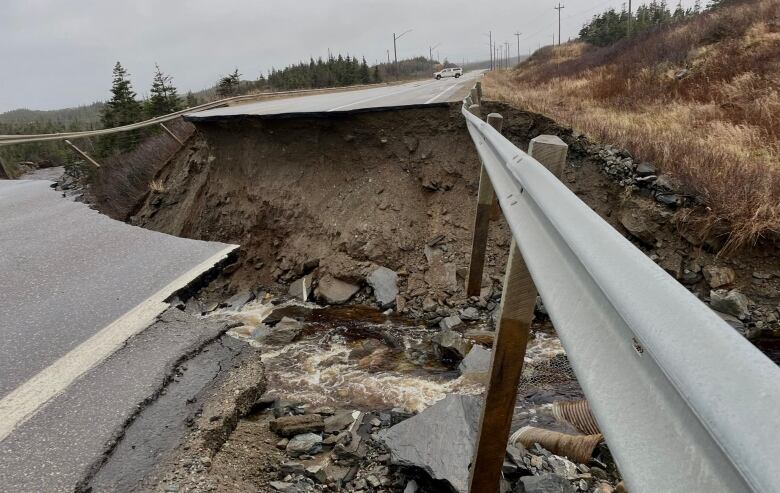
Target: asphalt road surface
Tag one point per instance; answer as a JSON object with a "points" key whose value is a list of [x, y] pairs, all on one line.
{"points": [[74, 285], [415, 93]]}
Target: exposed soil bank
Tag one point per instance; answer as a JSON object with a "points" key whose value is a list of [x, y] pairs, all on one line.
{"points": [[350, 192]]}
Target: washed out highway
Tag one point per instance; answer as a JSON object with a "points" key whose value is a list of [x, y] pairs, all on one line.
{"points": [[79, 291]]}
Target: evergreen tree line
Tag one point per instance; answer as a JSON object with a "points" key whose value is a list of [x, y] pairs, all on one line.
{"points": [[50, 151], [610, 26], [333, 72]]}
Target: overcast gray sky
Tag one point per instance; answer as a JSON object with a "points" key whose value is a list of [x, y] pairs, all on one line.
{"points": [[56, 53]]}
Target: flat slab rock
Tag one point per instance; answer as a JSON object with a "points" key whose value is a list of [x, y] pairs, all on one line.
{"points": [[440, 440], [335, 291], [289, 426]]}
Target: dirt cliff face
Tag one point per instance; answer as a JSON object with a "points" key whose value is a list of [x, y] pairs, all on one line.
{"points": [[351, 191]]}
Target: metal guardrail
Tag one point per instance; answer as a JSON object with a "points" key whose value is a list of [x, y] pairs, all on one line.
{"points": [[684, 401]]}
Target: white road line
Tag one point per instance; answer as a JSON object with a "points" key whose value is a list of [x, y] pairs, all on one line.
{"points": [[24, 401], [457, 84], [377, 97]]}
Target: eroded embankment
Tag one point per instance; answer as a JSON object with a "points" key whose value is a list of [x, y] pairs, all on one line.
{"points": [[398, 189], [348, 192]]}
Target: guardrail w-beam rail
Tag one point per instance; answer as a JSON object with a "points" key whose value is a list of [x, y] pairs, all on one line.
{"points": [[686, 404]]}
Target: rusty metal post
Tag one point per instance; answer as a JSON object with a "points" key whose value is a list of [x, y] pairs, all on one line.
{"points": [[83, 154], [181, 143], [486, 204]]}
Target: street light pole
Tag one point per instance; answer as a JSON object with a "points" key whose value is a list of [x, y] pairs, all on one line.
{"points": [[395, 49], [430, 51]]}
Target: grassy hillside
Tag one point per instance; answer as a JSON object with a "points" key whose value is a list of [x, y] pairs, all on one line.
{"points": [[699, 98]]}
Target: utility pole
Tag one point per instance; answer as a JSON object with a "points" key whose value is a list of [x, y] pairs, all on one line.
{"points": [[490, 33], [629, 17], [507, 54], [517, 35], [559, 8], [395, 49]]}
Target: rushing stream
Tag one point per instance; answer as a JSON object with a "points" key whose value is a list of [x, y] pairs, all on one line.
{"points": [[359, 357]]}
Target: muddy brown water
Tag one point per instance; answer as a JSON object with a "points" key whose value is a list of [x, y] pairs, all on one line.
{"points": [[361, 358]]}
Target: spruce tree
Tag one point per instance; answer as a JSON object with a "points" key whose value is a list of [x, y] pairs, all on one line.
{"points": [[365, 75], [228, 85], [163, 98], [121, 109]]}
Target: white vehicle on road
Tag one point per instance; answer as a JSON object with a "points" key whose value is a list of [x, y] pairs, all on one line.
{"points": [[449, 72]]}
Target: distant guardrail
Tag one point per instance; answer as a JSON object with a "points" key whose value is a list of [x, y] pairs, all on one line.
{"points": [[6, 140], [685, 403]]}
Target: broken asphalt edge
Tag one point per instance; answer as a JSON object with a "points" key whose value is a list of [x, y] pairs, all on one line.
{"points": [[33, 395]]}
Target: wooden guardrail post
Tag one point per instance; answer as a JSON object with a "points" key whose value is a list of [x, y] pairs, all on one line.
{"points": [[551, 151], [475, 110], [478, 87], [169, 132], [517, 309], [486, 202], [83, 154], [475, 95]]}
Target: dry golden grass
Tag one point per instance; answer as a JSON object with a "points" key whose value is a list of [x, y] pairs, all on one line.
{"points": [[717, 129], [157, 186]]}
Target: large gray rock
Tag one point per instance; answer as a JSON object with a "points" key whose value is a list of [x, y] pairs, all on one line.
{"points": [[645, 169], [284, 332], [237, 301], [305, 444], [301, 288], [545, 483], [439, 440], [450, 345], [338, 421], [732, 302], [469, 313], [449, 323], [335, 291], [385, 285], [477, 361], [638, 224]]}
